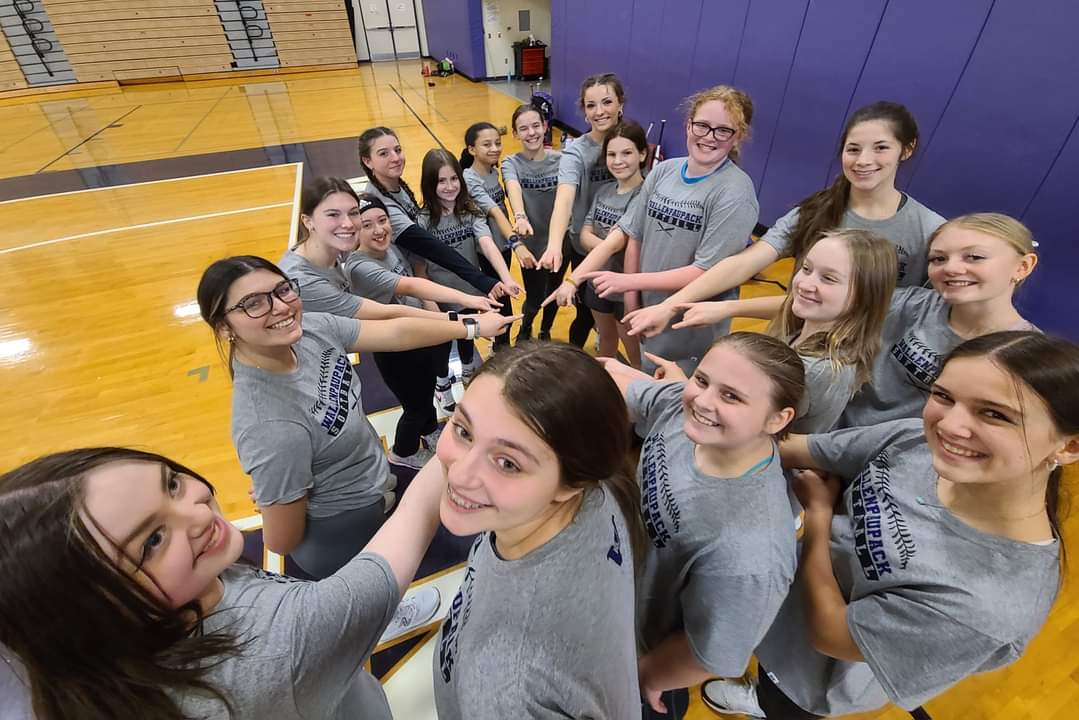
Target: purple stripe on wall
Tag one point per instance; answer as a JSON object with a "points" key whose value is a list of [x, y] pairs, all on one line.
{"points": [[455, 30]]}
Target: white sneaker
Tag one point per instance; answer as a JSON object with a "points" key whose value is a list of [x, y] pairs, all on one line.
{"points": [[444, 395], [731, 697], [415, 461], [415, 610], [469, 369]]}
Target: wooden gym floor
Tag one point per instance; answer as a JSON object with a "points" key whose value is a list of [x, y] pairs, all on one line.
{"points": [[112, 202]]}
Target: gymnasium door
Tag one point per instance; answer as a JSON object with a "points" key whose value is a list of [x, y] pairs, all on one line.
{"points": [[391, 28]]}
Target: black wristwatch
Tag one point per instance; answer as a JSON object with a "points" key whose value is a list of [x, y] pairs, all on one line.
{"points": [[453, 315], [514, 241]]}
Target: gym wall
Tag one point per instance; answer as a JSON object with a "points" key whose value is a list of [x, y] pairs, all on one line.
{"points": [[994, 86]]}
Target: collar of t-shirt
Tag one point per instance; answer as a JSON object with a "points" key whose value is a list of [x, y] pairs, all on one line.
{"points": [[694, 180]]}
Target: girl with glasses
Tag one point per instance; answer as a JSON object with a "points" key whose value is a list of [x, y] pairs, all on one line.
{"points": [[320, 475], [877, 139], [691, 213]]}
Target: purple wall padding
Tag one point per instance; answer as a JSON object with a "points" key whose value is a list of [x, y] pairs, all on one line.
{"points": [[455, 30], [992, 84]]}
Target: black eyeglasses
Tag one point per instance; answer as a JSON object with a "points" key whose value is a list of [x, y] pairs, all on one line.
{"points": [[703, 129], [258, 305]]}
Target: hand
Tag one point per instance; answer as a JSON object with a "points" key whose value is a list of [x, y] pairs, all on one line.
{"points": [[512, 288], [816, 491], [492, 324], [667, 370], [649, 694], [650, 321], [523, 227], [607, 282], [701, 313], [479, 302], [525, 257], [617, 368], [551, 259], [563, 296], [499, 290]]}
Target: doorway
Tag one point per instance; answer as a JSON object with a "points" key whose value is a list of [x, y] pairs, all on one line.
{"points": [[390, 28]]}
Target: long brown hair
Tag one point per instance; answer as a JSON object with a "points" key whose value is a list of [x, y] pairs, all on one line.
{"points": [[823, 210], [313, 195], [1049, 366], [433, 162], [367, 139], [571, 402], [95, 643], [854, 339]]}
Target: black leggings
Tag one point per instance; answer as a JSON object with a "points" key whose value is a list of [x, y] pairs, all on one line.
{"points": [[584, 322], [775, 704], [410, 375], [466, 350], [507, 303], [539, 284]]}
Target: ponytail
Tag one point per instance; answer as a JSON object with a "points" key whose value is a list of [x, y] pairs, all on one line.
{"points": [[467, 158], [818, 213]]}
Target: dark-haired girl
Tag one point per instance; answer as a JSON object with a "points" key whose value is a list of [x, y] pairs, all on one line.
{"points": [[714, 500], [581, 172], [531, 178], [383, 161], [942, 558], [479, 161], [526, 635], [122, 598], [320, 474], [877, 139]]}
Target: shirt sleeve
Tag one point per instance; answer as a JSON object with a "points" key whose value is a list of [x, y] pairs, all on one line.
{"points": [[632, 221], [337, 624], [371, 279], [399, 219], [509, 171], [729, 221], [726, 616], [779, 235], [277, 454], [648, 400], [846, 452], [914, 666], [571, 167], [478, 192], [591, 214], [480, 227], [321, 295]]}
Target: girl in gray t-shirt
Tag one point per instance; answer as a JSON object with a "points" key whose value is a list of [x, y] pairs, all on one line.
{"points": [[531, 178], [692, 212], [714, 502], [542, 625], [976, 262], [942, 559], [136, 567], [877, 139]]}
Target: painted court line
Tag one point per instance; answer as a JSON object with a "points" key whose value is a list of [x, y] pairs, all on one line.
{"points": [[151, 182], [296, 205], [141, 226]]}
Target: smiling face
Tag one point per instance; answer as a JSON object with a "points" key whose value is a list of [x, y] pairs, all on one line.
{"points": [[449, 186], [530, 129], [984, 426], [708, 150], [375, 232], [488, 147], [501, 475], [821, 287], [387, 159], [163, 528], [969, 266], [279, 327], [333, 222], [602, 108], [728, 401], [871, 155], [623, 158]]}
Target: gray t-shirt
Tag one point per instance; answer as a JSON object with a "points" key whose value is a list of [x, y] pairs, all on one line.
{"points": [[697, 223], [723, 550], [582, 166], [607, 209], [909, 230], [828, 390], [931, 600], [327, 290], [305, 432], [308, 642], [461, 234], [378, 277], [399, 206], [549, 635], [486, 191], [539, 182]]}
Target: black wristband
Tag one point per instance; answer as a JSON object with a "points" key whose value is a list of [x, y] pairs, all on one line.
{"points": [[453, 315]]}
